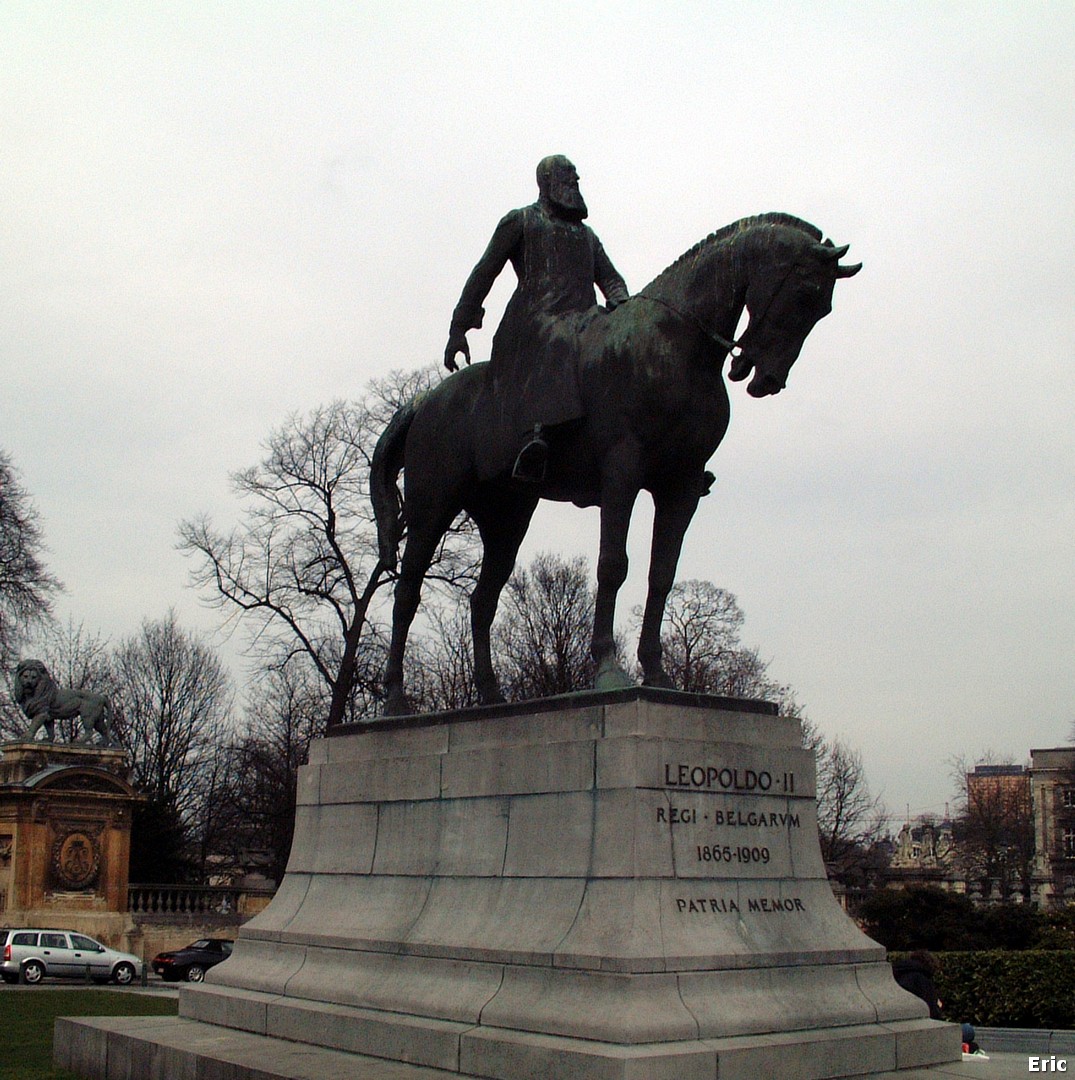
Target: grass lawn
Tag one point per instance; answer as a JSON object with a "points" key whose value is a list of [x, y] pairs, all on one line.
{"points": [[26, 1016]]}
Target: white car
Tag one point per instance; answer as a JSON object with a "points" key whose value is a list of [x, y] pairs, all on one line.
{"points": [[33, 954]]}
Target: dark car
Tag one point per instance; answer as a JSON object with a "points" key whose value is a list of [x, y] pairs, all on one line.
{"points": [[192, 962]]}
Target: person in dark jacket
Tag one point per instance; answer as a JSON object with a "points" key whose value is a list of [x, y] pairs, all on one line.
{"points": [[915, 974]]}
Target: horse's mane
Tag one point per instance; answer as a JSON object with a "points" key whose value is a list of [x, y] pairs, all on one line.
{"points": [[774, 217]]}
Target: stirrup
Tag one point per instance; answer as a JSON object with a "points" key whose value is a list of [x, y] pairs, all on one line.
{"points": [[530, 464]]}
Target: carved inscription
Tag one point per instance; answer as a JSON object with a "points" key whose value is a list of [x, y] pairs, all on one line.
{"points": [[727, 905], [728, 815], [700, 905], [728, 854], [731, 819], [727, 778]]}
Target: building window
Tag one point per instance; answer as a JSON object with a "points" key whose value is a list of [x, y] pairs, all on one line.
{"points": [[1069, 843], [1067, 798]]}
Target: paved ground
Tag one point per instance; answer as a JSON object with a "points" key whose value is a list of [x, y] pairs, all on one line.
{"points": [[149, 1045], [998, 1067], [1029, 1041]]}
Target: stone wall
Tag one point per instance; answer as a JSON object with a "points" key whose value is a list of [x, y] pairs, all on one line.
{"points": [[121, 931]]}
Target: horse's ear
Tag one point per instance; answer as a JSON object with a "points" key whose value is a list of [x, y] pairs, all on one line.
{"points": [[848, 271], [829, 253]]}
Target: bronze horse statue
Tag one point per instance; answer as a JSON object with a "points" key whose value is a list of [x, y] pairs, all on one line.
{"points": [[655, 408]]}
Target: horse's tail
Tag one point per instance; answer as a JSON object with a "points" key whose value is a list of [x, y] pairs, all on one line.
{"points": [[385, 495]]}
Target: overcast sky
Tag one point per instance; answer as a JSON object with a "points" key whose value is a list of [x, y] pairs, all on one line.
{"points": [[213, 215]]}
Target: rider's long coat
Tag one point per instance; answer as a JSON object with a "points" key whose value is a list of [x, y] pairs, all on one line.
{"points": [[534, 360]]}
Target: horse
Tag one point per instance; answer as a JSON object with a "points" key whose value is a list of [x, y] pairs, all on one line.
{"points": [[655, 408]]}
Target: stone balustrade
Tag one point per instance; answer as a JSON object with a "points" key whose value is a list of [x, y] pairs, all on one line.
{"points": [[195, 900]]}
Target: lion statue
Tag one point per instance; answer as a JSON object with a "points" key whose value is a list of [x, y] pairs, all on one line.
{"points": [[44, 702]]}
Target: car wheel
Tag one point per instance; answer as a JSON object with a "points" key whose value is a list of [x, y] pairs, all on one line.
{"points": [[10, 977], [123, 974], [33, 971], [195, 973]]}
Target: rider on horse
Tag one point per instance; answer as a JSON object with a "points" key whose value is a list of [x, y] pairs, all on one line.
{"points": [[534, 360]]}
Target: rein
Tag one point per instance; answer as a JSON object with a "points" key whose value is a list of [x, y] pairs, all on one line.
{"points": [[732, 348]]}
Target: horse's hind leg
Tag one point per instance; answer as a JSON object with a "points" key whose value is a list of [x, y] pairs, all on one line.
{"points": [[502, 522], [422, 542]]}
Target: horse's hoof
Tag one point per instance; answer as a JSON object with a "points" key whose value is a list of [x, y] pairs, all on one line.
{"points": [[610, 676], [660, 681], [397, 703], [492, 697]]}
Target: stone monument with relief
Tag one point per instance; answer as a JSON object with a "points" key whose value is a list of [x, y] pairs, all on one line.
{"points": [[65, 813], [625, 884]]}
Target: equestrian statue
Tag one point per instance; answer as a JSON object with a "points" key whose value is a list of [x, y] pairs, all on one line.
{"points": [[589, 404]]}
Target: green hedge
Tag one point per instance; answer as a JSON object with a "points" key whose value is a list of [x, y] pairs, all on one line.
{"points": [[1029, 989]]}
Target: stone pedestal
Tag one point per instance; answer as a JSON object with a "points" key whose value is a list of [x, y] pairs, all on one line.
{"points": [[65, 831], [616, 886]]}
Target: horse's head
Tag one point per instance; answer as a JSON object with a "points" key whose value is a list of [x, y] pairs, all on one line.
{"points": [[790, 281]]}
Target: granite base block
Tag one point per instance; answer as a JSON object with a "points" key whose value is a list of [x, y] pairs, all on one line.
{"points": [[177, 1048], [625, 886]]}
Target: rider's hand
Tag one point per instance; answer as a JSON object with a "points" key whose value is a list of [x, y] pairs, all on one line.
{"points": [[457, 343]]}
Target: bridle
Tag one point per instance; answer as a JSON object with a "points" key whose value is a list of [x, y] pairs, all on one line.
{"points": [[734, 349]]}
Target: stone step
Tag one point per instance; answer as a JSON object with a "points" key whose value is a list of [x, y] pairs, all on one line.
{"points": [[173, 1048], [168, 1048]]}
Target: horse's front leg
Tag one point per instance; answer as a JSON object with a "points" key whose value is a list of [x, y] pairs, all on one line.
{"points": [[617, 501], [673, 510]]}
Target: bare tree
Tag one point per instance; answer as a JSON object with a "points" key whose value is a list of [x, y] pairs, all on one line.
{"points": [[26, 585], [849, 818], [303, 568], [852, 823], [541, 641], [994, 826], [699, 635], [702, 652], [286, 710], [442, 660], [176, 703]]}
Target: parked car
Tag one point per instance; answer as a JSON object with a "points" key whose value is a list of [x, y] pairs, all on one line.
{"points": [[192, 962], [62, 953]]}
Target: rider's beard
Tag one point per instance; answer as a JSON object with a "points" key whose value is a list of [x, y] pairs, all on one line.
{"points": [[568, 201]]}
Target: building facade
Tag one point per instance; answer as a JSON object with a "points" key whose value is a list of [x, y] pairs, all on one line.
{"points": [[1052, 774]]}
